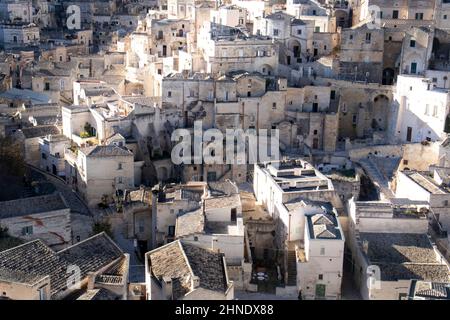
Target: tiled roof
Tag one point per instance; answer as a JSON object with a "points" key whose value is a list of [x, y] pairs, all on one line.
{"points": [[32, 205], [99, 294], [222, 202], [35, 259], [404, 256], [105, 151], [323, 226], [39, 131], [430, 290], [190, 222], [181, 262]]}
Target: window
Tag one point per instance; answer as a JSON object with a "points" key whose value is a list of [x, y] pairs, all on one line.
{"points": [[427, 109], [44, 156], [42, 295], [445, 203], [395, 14], [47, 86], [120, 179], [275, 32], [299, 32], [233, 214], [119, 166], [274, 105], [171, 231], [435, 111], [169, 94], [405, 162], [195, 238], [322, 251], [315, 132], [419, 16], [226, 95], [333, 94], [26, 231], [445, 17], [354, 119], [317, 29], [368, 37], [412, 43], [320, 276], [351, 37]]}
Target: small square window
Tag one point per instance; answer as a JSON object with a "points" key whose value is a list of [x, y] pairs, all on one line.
{"points": [[412, 43], [26, 231], [320, 276], [405, 162]]}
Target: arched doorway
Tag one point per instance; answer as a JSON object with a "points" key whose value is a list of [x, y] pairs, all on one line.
{"points": [[380, 113], [266, 70]]}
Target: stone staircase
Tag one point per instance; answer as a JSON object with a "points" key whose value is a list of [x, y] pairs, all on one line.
{"points": [[377, 177], [292, 268]]}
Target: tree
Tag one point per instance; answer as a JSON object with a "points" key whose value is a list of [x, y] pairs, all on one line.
{"points": [[11, 159], [102, 226]]}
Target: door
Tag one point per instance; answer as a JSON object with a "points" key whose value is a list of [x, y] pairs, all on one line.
{"points": [[409, 134], [315, 143], [315, 107], [233, 214], [413, 67], [316, 52], [297, 51], [320, 291]]}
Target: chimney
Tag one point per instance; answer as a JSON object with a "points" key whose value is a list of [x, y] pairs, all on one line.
{"points": [[167, 288], [365, 246], [195, 282], [155, 192], [91, 280]]}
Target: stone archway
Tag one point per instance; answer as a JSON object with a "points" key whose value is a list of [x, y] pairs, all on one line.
{"points": [[380, 112]]}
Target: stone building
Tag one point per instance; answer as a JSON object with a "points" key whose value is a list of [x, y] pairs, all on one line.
{"points": [[181, 271], [390, 247], [33, 271], [361, 54], [42, 217], [102, 171]]}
